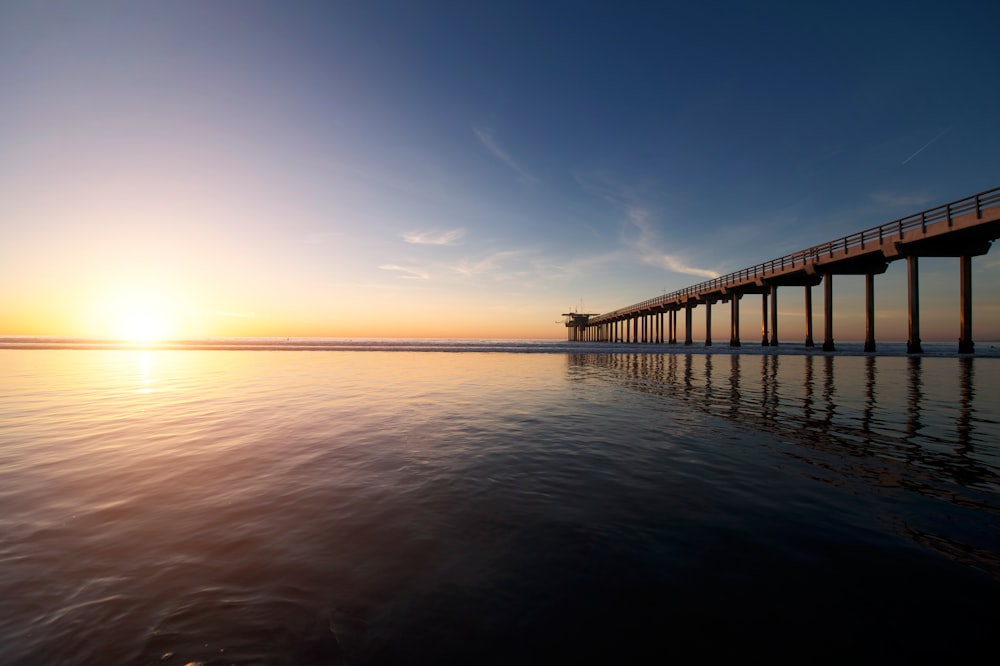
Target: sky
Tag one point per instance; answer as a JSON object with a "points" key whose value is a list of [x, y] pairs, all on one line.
{"points": [[474, 169]]}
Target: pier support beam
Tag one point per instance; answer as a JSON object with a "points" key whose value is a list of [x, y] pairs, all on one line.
{"points": [[687, 324], [734, 320], [673, 327], [809, 317], [828, 312], [774, 315], [913, 301], [763, 320], [708, 323], [965, 344], [869, 312]]}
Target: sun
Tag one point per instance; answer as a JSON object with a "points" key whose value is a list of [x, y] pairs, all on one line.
{"points": [[140, 313], [142, 319], [142, 325]]}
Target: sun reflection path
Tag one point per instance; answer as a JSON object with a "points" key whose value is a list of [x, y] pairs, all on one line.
{"points": [[145, 372]]}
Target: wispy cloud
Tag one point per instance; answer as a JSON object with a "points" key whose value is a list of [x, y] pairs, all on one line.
{"points": [[672, 263], [406, 273], [450, 237], [644, 242], [580, 265], [491, 264], [927, 145], [900, 200], [486, 137]]}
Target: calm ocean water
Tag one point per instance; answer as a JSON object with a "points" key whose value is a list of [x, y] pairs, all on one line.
{"points": [[370, 502]]}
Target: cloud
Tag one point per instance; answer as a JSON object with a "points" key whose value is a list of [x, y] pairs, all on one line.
{"points": [[900, 200], [644, 243], [450, 237], [489, 264], [486, 137], [672, 263], [581, 265], [406, 273]]}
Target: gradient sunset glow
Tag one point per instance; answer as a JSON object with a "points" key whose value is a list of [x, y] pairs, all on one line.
{"points": [[381, 169]]}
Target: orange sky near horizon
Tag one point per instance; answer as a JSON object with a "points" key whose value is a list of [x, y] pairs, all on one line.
{"points": [[158, 311]]}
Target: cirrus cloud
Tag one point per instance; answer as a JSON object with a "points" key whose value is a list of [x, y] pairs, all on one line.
{"points": [[406, 273], [449, 237]]}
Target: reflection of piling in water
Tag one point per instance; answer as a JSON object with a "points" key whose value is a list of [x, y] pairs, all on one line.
{"points": [[765, 387], [708, 379], [828, 390], [845, 447], [687, 374], [770, 387], [965, 396], [734, 384], [866, 416], [807, 390], [914, 396], [853, 437]]}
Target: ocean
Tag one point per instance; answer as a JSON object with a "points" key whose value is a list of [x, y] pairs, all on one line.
{"points": [[296, 501]]}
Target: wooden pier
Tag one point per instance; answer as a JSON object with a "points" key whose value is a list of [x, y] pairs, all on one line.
{"points": [[963, 229]]}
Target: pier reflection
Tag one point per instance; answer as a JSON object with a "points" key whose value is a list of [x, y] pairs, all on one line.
{"points": [[922, 427], [963, 424], [914, 396]]}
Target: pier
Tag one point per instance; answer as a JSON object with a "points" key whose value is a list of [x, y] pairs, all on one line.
{"points": [[962, 229]]}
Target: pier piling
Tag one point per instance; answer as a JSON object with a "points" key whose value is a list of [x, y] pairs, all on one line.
{"points": [[913, 306], [965, 345]]}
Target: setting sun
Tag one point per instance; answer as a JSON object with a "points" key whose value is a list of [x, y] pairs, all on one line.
{"points": [[142, 315], [142, 325]]}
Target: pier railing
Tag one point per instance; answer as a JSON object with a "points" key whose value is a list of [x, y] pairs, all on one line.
{"points": [[943, 214]]}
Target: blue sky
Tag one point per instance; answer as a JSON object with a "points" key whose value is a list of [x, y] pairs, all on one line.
{"points": [[469, 168]]}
